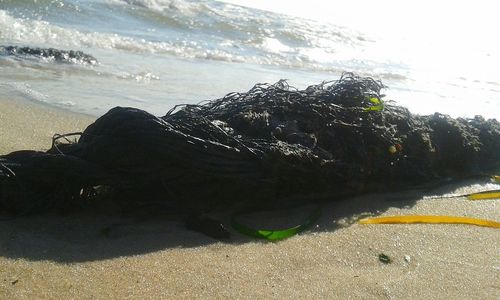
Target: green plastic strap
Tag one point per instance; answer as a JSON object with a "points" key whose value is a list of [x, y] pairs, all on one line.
{"points": [[275, 235]]}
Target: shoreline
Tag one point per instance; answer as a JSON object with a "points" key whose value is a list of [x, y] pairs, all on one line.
{"points": [[97, 256]]}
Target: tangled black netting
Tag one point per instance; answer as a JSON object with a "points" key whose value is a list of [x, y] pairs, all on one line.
{"points": [[270, 146]]}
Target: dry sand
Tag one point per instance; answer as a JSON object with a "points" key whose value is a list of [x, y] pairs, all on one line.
{"points": [[101, 257]]}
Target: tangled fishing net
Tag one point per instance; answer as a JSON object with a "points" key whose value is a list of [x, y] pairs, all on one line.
{"points": [[270, 146]]}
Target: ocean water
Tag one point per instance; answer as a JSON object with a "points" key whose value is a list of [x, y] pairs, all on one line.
{"points": [[154, 54]]}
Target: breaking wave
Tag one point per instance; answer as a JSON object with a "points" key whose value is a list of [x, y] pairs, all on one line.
{"points": [[206, 30]]}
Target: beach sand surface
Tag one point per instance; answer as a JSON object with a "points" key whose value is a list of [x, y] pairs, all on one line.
{"points": [[91, 256]]}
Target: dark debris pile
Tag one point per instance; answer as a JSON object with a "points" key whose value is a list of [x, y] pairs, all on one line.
{"points": [[49, 54], [272, 146]]}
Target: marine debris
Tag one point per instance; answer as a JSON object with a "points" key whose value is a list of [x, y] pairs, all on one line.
{"points": [[415, 219], [50, 54], [383, 258], [270, 147]]}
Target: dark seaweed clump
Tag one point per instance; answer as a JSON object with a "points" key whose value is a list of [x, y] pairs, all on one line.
{"points": [[271, 146], [51, 54]]}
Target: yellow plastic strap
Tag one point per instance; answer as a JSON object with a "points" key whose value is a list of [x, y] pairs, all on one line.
{"points": [[484, 195], [430, 220], [378, 105]]}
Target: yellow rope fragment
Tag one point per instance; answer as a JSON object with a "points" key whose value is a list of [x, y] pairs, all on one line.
{"points": [[430, 220]]}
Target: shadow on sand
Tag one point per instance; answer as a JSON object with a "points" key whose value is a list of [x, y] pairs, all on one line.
{"points": [[81, 237]]}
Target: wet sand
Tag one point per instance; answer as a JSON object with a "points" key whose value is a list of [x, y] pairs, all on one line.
{"points": [[111, 257]]}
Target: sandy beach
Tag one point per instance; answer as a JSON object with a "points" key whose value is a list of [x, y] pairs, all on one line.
{"points": [[82, 256]]}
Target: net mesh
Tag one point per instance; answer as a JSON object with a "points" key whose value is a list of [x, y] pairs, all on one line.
{"points": [[271, 146]]}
